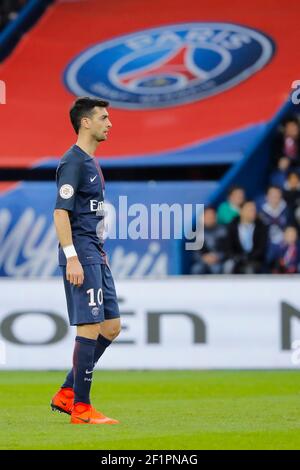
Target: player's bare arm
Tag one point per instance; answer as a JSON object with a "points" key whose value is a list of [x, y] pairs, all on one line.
{"points": [[74, 270]]}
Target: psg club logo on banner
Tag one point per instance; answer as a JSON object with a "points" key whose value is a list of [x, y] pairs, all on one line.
{"points": [[170, 65]]}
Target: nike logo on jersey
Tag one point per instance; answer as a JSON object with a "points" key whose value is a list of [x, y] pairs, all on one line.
{"points": [[88, 371], [93, 179]]}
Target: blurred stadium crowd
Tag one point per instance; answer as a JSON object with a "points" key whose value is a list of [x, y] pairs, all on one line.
{"points": [[258, 236], [241, 236]]}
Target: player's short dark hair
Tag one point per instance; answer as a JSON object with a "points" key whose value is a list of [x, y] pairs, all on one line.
{"points": [[83, 107]]}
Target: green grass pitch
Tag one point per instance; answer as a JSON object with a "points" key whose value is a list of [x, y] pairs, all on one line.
{"points": [[158, 410]]}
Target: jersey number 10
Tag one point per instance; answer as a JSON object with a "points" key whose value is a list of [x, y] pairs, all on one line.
{"points": [[91, 293]]}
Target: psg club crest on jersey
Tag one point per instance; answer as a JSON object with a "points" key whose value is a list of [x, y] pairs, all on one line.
{"points": [[170, 65]]}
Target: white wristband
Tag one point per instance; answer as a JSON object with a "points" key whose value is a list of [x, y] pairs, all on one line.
{"points": [[69, 251]]}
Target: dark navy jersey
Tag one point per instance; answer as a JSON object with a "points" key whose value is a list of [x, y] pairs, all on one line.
{"points": [[80, 191]]}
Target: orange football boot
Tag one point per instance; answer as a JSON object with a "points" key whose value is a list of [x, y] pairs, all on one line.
{"points": [[83, 413], [63, 401]]}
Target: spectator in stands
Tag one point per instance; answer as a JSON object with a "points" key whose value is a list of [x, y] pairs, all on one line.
{"points": [[279, 176], [275, 214], [9, 10], [209, 260], [291, 192], [230, 208], [285, 257], [287, 142], [246, 242]]}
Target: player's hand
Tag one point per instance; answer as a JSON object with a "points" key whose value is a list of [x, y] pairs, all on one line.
{"points": [[74, 271]]}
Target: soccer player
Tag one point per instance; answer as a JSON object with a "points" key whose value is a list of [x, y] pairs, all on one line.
{"points": [[89, 286]]}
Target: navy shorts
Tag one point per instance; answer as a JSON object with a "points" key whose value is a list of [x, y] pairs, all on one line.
{"points": [[94, 301]]}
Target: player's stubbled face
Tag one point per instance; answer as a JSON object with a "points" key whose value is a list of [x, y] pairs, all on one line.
{"points": [[100, 124]]}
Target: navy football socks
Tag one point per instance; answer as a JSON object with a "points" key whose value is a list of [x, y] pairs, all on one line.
{"points": [[69, 381], [83, 365], [101, 344]]}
